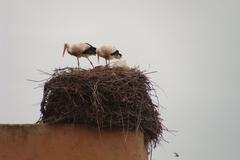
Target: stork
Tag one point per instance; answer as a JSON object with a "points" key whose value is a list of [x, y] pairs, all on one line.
{"points": [[108, 52], [80, 50]]}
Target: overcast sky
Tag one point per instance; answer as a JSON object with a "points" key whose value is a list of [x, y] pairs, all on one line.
{"points": [[193, 44]]}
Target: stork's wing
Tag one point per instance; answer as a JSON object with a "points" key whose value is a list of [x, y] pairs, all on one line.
{"points": [[108, 48], [80, 47]]}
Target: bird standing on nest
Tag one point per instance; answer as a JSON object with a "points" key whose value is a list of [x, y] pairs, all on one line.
{"points": [[108, 52], [80, 50]]}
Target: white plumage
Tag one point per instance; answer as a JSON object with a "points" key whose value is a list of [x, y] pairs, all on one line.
{"points": [[80, 50], [122, 64], [108, 52]]}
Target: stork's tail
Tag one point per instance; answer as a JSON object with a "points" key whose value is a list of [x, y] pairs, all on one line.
{"points": [[98, 58], [90, 51]]}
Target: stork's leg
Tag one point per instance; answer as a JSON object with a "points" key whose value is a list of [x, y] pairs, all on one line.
{"points": [[78, 62], [90, 62], [106, 62], [98, 58]]}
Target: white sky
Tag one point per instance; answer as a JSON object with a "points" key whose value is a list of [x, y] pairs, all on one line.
{"points": [[194, 46]]}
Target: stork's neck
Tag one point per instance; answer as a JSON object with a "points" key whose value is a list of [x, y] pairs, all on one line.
{"points": [[69, 50], [68, 47]]}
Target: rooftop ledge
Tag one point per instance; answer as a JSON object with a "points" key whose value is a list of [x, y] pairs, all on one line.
{"points": [[68, 142]]}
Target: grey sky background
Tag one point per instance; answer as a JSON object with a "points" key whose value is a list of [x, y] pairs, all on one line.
{"points": [[194, 46]]}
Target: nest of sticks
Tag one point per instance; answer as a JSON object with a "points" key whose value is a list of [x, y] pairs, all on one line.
{"points": [[103, 98]]}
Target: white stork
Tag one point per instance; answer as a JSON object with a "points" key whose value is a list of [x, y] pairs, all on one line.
{"points": [[108, 52], [80, 50]]}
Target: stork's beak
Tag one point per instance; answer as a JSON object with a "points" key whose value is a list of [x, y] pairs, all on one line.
{"points": [[120, 55], [64, 50]]}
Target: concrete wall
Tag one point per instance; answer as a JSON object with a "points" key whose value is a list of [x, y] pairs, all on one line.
{"points": [[68, 142]]}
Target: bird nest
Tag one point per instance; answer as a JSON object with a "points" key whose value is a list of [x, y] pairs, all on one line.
{"points": [[103, 98]]}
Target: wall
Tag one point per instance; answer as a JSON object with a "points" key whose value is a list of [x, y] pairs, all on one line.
{"points": [[68, 142]]}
